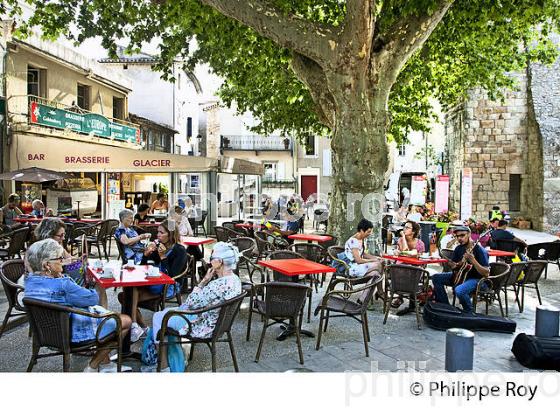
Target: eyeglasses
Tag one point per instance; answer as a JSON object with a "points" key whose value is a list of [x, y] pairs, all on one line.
{"points": [[62, 260], [214, 258], [408, 227], [62, 235], [463, 235]]}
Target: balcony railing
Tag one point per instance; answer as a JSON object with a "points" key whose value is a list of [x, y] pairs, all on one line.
{"points": [[53, 114], [255, 143]]}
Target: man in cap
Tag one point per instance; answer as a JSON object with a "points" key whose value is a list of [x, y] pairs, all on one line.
{"points": [[465, 252]]}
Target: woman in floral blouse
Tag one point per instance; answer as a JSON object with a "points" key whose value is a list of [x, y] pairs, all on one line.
{"points": [[208, 292]]}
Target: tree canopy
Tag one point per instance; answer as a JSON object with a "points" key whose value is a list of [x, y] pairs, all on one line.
{"points": [[477, 43]]}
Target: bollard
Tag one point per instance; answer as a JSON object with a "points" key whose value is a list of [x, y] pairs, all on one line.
{"points": [[547, 321], [459, 350]]}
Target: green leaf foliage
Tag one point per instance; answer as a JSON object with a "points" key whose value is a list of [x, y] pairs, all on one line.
{"points": [[478, 43]]}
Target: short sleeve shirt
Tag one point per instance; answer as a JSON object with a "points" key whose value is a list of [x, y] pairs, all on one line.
{"points": [[480, 255]]}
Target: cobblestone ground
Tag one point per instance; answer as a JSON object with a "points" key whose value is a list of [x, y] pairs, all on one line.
{"points": [[398, 345]]}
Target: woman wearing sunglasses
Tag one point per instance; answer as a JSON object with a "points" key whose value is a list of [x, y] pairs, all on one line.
{"points": [[46, 282]]}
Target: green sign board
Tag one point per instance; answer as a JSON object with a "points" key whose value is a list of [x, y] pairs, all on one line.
{"points": [[83, 123]]}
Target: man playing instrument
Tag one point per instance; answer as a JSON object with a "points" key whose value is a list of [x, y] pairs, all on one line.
{"points": [[467, 252]]}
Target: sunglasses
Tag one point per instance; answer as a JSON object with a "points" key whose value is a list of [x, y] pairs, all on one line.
{"points": [[462, 235]]}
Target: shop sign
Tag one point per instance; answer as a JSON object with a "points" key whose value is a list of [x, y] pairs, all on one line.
{"points": [[442, 193], [96, 124], [466, 194], [83, 123]]}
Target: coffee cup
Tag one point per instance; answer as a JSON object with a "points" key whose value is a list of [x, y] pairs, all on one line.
{"points": [[153, 271], [98, 264], [130, 263], [107, 272]]}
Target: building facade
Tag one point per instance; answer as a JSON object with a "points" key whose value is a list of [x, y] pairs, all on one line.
{"points": [[512, 149]]}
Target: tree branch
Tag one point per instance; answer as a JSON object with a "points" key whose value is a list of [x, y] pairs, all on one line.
{"points": [[311, 39], [409, 33], [313, 76]]}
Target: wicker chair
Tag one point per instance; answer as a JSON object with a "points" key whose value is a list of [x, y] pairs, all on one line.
{"points": [[248, 248], [488, 289], [112, 225], [159, 301], [50, 323], [286, 254], [221, 234], [263, 246], [278, 242], [312, 252], [281, 301], [231, 226], [533, 272], [227, 312], [341, 304], [18, 238], [199, 222], [446, 254], [407, 282], [333, 253], [10, 273], [547, 251]]}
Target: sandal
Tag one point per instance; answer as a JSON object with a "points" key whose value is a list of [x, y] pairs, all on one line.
{"points": [[396, 302]]}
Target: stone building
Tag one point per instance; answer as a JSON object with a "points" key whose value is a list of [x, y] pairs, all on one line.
{"points": [[512, 147]]}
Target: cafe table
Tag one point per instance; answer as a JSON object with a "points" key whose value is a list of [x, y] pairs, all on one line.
{"points": [[128, 279], [36, 220], [196, 240], [310, 238], [500, 254], [409, 260], [288, 270]]}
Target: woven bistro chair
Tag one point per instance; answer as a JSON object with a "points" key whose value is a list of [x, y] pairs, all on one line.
{"points": [[248, 248], [17, 238], [227, 312], [263, 246], [286, 254], [50, 323], [311, 252], [406, 281], [281, 301], [533, 273], [513, 282], [221, 234], [488, 289], [350, 302], [10, 272]]}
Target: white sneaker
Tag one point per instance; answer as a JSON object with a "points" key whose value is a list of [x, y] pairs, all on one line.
{"points": [[111, 367], [90, 370], [136, 332]]}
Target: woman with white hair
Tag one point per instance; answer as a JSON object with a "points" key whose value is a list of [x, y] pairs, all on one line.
{"points": [[46, 282], [218, 285], [38, 208], [129, 238]]}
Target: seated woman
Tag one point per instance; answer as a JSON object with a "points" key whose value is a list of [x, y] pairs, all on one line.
{"points": [[142, 214], [208, 292], [171, 257], [45, 282], [54, 228], [409, 244], [361, 263], [38, 208], [129, 238]]}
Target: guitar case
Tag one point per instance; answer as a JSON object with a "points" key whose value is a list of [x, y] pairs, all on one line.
{"points": [[443, 316], [534, 352]]}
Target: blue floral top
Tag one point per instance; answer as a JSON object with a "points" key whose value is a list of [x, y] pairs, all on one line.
{"points": [[134, 251]]}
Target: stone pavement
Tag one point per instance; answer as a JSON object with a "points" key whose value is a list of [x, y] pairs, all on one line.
{"points": [[398, 345]]}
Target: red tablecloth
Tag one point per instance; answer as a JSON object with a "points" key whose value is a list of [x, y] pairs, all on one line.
{"points": [[294, 267], [414, 261], [131, 277]]}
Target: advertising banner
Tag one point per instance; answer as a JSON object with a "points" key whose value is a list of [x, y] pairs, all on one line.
{"points": [[466, 194], [442, 194]]}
